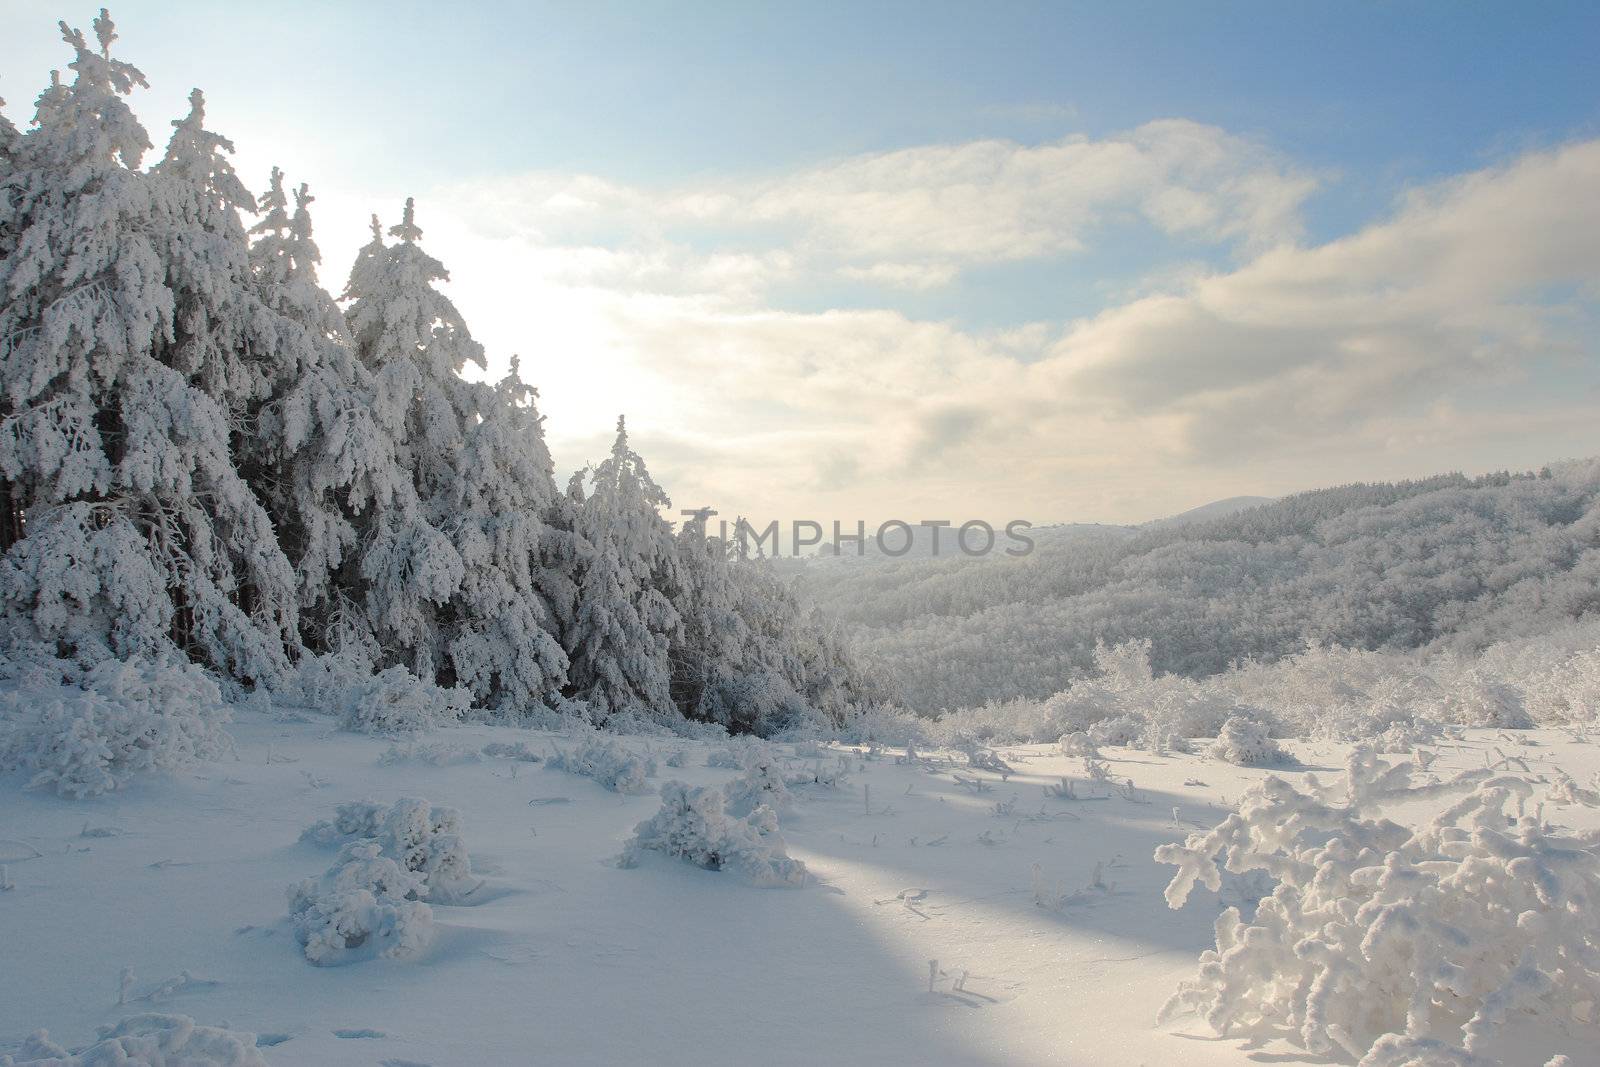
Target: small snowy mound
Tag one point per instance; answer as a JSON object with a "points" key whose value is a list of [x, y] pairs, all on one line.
{"points": [[1246, 743], [608, 762], [1387, 943], [129, 718], [424, 840], [365, 906], [146, 1041], [694, 825]]}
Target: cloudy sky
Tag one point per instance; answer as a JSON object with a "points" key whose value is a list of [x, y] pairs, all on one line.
{"points": [[1061, 262]]}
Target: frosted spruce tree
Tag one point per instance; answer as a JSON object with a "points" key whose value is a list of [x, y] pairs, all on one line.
{"points": [[467, 581], [320, 461], [139, 536], [708, 648], [618, 641], [501, 627], [414, 343]]}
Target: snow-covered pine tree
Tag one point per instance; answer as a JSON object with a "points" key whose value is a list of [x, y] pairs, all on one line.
{"points": [[414, 343], [500, 629], [139, 534], [319, 460], [708, 649], [220, 331], [10, 506], [620, 634]]}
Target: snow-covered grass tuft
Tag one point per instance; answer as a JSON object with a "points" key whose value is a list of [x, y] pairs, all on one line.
{"points": [[1401, 946], [694, 825], [129, 717], [149, 1040], [608, 762]]}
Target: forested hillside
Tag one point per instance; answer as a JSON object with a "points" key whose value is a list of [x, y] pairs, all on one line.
{"points": [[1449, 561]]}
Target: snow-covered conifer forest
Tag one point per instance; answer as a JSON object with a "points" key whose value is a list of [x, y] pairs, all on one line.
{"points": [[335, 728]]}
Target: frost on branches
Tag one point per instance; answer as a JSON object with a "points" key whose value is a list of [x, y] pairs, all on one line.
{"points": [[1404, 946], [149, 1040], [129, 717], [693, 825]]}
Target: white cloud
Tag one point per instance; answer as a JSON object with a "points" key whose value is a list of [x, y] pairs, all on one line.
{"points": [[1456, 332], [914, 216]]}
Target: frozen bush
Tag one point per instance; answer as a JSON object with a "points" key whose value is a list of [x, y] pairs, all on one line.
{"points": [[1387, 941], [366, 906], [739, 754], [694, 825], [128, 718], [396, 701], [425, 841], [1121, 730], [883, 724], [1247, 743], [608, 762], [1477, 699], [762, 785], [146, 1041]]}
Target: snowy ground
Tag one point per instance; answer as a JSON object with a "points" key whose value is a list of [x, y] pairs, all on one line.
{"points": [[563, 957]]}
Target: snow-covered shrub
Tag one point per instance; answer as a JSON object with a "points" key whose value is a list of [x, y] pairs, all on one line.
{"points": [[1480, 700], [130, 717], [608, 762], [1408, 736], [763, 784], [1247, 743], [396, 701], [740, 754], [694, 825], [148, 1040], [1079, 744], [1433, 936], [425, 840], [1121, 730], [881, 723], [366, 906]]}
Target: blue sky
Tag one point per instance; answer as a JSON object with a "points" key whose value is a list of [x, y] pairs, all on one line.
{"points": [[867, 242]]}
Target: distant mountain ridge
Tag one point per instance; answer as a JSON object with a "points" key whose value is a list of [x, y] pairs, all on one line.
{"points": [[1217, 509], [1443, 562]]}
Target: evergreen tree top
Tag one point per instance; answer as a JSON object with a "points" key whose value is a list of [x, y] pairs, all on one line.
{"points": [[90, 122], [407, 230], [201, 156]]}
